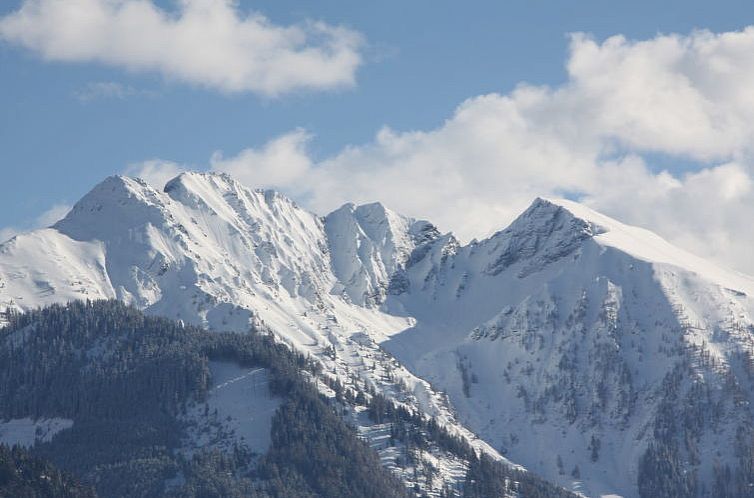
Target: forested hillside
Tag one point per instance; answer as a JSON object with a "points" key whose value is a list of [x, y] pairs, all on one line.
{"points": [[126, 379], [129, 384], [23, 476]]}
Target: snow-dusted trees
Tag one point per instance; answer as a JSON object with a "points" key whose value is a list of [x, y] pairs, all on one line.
{"points": [[125, 379], [22, 475]]}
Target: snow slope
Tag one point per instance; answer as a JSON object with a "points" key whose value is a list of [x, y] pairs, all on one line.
{"points": [[27, 432], [238, 410], [369, 245], [557, 338], [209, 251], [560, 341]]}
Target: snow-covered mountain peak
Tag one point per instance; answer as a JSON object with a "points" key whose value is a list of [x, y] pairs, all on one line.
{"points": [[382, 223], [551, 229], [116, 204], [370, 245], [559, 332], [574, 209], [193, 189], [205, 234], [589, 336], [543, 233], [116, 188], [647, 246], [117, 184], [196, 178], [202, 185], [548, 216]]}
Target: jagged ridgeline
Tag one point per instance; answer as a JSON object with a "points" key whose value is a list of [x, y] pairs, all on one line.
{"points": [[137, 412]]}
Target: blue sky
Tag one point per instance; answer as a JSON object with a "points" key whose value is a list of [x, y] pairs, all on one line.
{"points": [[66, 125]]}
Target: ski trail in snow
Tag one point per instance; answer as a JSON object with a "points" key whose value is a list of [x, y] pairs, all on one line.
{"points": [[236, 379]]}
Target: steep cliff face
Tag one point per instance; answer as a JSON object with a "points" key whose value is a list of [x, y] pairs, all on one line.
{"points": [[564, 341], [589, 351], [204, 241], [211, 252], [369, 247]]}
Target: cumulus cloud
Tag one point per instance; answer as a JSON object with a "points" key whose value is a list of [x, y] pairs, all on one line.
{"points": [[156, 172], [687, 98], [593, 138], [280, 163], [205, 42], [704, 211]]}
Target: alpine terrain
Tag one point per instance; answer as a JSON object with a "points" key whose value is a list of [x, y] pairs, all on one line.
{"points": [[568, 345]]}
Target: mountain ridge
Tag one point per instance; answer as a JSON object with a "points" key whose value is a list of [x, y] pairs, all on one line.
{"points": [[566, 327]]}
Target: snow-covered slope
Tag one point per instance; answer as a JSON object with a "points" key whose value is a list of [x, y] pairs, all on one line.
{"points": [[369, 246], [563, 341], [571, 342], [209, 251]]}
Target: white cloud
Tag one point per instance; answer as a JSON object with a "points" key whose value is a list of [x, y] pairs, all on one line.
{"points": [[204, 42], [683, 95], [155, 171], [687, 98], [705, 211], [279, 163]]}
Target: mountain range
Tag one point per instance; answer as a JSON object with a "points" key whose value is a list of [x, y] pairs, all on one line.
{"points": [[570, 345]]}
